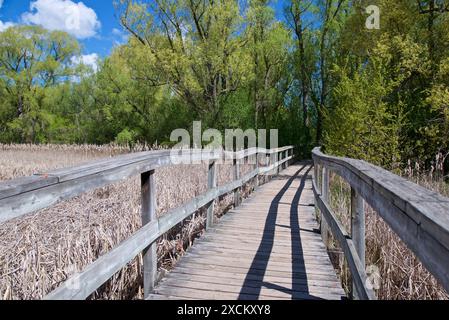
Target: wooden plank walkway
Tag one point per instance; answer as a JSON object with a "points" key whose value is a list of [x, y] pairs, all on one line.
{"points": [[268, 248]]}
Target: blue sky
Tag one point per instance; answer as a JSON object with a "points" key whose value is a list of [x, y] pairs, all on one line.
{"points": [[97, 27]]}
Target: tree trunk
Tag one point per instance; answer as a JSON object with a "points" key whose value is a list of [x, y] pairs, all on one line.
{"points": [[431, 41]]}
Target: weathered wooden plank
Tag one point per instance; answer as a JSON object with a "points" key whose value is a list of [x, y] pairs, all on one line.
{"points": [[163, 297], [256, 218], [312, 243], [199, 294], [306, 215], [274, 234], [231, 291], [266, 254], [273, 250], [13, 187], [229, 268], [323, 282], [307, 225], [239, 282], [283, 231], [254, 255], [66, 174], [257, 263]]}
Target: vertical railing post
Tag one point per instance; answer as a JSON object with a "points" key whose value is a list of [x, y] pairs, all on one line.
{"points": [[358, 228], [211, 183], [285, 157], [148, 214], [276, 159], [325, 195], [269, 157], [236, 169], [257, 168], [281, 157], [291, 154], [315, 178]]}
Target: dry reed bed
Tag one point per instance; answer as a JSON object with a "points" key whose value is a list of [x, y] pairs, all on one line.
{"points": [[41, 250], [402, 275]]}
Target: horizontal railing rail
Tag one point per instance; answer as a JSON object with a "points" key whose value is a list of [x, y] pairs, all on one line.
{"points": [[22, 196], [420, 217]]}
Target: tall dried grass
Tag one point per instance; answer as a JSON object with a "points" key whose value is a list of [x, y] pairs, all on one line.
{"points": [[402, 275], [41, 250]]}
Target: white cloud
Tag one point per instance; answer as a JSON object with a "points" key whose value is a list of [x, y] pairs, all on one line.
{"points": [[5, 25], [119, 37], [115, 31], [66, 15], [90, 60]]}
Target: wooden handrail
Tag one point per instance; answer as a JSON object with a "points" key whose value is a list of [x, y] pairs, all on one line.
{"points": [[21, 196], [420, 217]]}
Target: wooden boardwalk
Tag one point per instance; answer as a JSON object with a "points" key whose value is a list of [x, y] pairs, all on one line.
{"points": [[267, 248]]}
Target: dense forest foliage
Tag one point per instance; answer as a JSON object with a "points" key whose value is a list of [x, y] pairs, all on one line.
{"points": [[318, 74]]}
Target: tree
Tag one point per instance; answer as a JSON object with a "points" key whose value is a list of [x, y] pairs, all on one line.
{"points": [[331, 22], [411, 60], [295, 17], [31, 60], [269, 42], [129, 104], [194, 46]]}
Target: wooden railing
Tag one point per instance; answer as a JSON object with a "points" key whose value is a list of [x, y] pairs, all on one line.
{"points": [[418, 216], [21, 196]]}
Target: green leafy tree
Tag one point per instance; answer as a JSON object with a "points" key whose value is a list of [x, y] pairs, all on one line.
{"points": [[192, 46], [31, 60]]}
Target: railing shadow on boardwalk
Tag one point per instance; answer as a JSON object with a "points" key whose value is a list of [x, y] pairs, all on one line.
{"points": [[259, 265]]}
